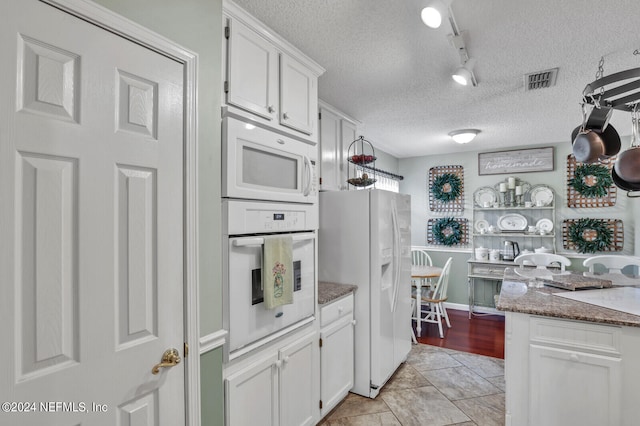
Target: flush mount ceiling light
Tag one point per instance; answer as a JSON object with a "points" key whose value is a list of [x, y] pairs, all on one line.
{"points": [[433, 13], [464, 135]]}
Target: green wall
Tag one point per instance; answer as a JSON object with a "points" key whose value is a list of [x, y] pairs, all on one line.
{"points": [[197, 26], [416, 173]]}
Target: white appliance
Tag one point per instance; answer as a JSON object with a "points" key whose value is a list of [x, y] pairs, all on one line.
{"points": [[365, 239], [246, 222], [259, 164]]}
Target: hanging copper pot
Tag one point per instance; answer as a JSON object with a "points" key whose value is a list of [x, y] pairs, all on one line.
{"points": [[595, 140], [627, 166]]}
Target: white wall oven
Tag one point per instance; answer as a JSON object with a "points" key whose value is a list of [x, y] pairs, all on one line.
{"points": [[249, 323], [259, 164]]}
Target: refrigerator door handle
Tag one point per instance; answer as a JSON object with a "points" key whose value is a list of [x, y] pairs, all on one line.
{"points": [[396, 254]]}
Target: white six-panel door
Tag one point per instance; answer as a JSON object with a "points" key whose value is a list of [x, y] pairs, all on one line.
{"points": [[91, 223]]}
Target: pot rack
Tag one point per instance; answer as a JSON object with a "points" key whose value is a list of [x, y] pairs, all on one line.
{"points": [[612, 91], [620, 91]]}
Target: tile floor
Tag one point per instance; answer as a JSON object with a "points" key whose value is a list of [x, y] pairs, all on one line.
{"points": [[435, 387]]}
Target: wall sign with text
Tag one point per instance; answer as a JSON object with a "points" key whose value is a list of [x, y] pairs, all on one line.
{"points": [[516, 161]]}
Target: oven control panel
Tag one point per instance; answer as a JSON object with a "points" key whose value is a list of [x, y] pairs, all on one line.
{"points": [[251, 217]]}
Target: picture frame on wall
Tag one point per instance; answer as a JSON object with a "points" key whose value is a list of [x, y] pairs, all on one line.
{"points": [[516, 161]]}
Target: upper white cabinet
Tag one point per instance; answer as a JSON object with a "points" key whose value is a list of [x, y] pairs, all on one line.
{"points": [[337, 131], [267, 79], [252, 75]]}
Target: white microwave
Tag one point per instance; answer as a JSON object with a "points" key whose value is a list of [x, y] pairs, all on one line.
{"points": [[259, 164]]}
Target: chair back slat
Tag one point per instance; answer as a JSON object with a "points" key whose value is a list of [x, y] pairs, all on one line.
{"points": [[420, 257], [440, 291]]}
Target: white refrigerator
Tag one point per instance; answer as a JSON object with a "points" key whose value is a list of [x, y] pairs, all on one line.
{"points": [[365, 239]]}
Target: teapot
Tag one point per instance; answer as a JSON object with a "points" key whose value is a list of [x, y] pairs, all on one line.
{"points": [[511, 250]]}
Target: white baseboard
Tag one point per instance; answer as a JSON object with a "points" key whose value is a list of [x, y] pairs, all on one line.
{"points": [[476, 309]]}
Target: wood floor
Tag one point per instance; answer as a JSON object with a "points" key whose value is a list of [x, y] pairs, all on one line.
{"points": [[482, 335]]}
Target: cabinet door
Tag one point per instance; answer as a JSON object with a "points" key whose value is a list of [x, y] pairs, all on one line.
{"points": [[252, 393], [298, 96], [336, 362], [329, 151], [253, 72], [299, 382], [348, 134], [573, 388]]}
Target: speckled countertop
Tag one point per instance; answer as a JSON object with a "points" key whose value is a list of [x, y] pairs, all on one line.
{"points": [[524, 296], [328, 292]]}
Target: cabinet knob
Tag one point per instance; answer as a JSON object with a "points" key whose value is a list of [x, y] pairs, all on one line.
{"points": [[271, 109], [574, 357], [285, 116], [285, 359], [278, 364]]}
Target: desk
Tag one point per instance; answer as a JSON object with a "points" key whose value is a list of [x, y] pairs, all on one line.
{"points": [[419, 273]]}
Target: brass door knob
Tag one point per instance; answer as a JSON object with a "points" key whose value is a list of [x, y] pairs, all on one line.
{"points": [[170, 358]]}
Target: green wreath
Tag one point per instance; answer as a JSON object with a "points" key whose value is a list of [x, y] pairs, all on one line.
{"points": [[602, 183], [602, 240], [455, 187], [447, 231]]}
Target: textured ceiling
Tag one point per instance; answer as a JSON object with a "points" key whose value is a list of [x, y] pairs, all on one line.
{"points": [[388, 70]]}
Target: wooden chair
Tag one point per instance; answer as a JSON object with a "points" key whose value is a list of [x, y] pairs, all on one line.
{"points": [[613, 266], [432, 308], [542, 260]]}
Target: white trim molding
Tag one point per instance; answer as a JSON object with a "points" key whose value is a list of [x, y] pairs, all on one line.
{"points": [[123, 27], [213, 341]]}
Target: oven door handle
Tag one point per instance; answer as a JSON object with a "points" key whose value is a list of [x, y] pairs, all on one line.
{"points": [[258, 241]]}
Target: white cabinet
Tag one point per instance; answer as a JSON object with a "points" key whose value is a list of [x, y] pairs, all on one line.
{"points": [[279, 386], [252, 74], [298, 96], [336, 352], [337, 131], [267, 79], [561, 372]]}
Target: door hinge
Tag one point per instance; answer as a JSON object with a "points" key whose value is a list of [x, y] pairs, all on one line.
{"points": [[319, 116], [186, 349], [226, 87], [320, 404], [320, 181], [226, 32], [320, 342]]}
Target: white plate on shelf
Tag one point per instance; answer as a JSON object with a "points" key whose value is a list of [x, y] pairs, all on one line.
{"points": [[545, 225], [512, 222], [482, 224], [485, 195], [541, 195]]}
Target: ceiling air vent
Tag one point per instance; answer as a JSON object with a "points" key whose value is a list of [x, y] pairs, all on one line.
{"points": [[540, 79]]}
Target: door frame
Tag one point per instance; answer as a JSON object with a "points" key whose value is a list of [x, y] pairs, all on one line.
{"points": [[123, 27]]}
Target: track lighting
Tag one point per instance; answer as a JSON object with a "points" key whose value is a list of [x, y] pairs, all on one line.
{"points": [[464, 74], [432, 14], [464, 135]]}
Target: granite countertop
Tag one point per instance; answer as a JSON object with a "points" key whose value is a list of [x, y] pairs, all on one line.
{"points": [[328, 292], [527, 296]]}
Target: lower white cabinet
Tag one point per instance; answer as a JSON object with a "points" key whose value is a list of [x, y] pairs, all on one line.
{"points": [[336, 352], [562, 372], [280, 386]]}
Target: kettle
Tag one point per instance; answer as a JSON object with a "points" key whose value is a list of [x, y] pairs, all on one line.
{"points": [[511, 250]]}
